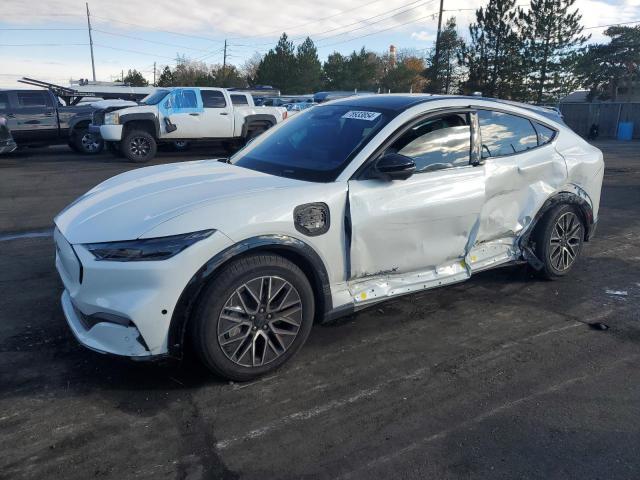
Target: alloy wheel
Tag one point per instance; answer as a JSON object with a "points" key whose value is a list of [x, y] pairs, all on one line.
{"points": [[140, 146], [259, 321], [90, 143], [565, 241]]}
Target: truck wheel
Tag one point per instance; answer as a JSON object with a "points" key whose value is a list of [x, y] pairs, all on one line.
{"points": [[253, 317], [87, 143], [139, 146]]}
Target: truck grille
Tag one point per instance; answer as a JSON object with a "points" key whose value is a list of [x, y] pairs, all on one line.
{"points": [[98, 118]]}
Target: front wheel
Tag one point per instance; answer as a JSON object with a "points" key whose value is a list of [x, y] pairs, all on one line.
{"points": [[253, 317], [139, 146], [87, 143], [559, 238]]}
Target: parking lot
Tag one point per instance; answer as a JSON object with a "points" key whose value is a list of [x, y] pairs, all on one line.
{"points": [[498, 377]]}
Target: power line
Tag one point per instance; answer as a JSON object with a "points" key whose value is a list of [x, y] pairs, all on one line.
{"points": [[44, 44], [318, 20], [149, 41], [133, 51], [611, 25]]}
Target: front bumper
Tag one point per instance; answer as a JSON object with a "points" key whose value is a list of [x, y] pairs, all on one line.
{"points": [[125, 308], [111, 133]]}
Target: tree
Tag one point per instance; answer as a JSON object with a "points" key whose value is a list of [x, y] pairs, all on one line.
{"points": [[308, 68], [612, 70], [166, 78], [135, 79], [493, 56], [447, 75], [550, 33], [334, 72], [278, 67], [404, 74], [250, 68]]}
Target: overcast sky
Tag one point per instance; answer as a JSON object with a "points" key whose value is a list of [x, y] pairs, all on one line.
{"points": [[197, 28]]}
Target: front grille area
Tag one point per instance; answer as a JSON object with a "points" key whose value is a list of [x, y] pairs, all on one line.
{"points": [[98, 118]]}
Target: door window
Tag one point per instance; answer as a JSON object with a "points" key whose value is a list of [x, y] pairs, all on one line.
{"points": [[31, 99], [545, 134], [213, 99], [239, 100], [436, 143], [505, 134]]}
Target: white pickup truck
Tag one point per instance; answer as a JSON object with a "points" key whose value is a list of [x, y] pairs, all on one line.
{"points": [[184, 114]]}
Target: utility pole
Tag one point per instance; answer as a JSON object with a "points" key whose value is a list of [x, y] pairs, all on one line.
{"points": [[93, 66], [436, 56], [154, 74], [224, 64]]}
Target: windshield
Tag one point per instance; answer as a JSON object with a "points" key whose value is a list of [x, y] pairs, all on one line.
{"points": [[155, 98], [315, 145]]}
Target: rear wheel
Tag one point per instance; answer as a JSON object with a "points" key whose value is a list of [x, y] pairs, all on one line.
{"points": [[253, 317], [87, 142], [139, 146], [559, 238]]}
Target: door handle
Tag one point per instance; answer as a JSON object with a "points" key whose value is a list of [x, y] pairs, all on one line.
{"points": [[224, 113], [194, 114]]}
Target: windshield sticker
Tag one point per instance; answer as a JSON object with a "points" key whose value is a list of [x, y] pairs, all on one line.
{"points": [[361, 115]]}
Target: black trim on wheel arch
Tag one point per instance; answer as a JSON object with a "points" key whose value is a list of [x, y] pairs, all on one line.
{"points": [[260, 117], [562, 198], [143, 116], [276, 244]]}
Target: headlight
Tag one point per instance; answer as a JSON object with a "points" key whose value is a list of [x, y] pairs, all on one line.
{"points": [[146, 249], [112, 118]]}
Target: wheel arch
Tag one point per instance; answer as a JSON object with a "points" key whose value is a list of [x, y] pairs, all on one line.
{"points": [[145, 121], [293, 249], [78, 122], [257, 119], [577, 198]]}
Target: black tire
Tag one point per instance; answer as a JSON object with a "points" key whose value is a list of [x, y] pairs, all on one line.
{"points": [[206, 322], [558, 251], [86, 142], [181, 146], [139, 146]]}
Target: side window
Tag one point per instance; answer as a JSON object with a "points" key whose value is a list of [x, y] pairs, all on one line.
{"points": [[185, 99], [213, 99], [239, 100], [31, 99], [4, 102], [436, 143], [505, 134], [545, 134]]}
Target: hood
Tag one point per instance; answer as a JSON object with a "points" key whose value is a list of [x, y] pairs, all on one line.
{"points": [[113, 104], [128, 205], [138, 109]]}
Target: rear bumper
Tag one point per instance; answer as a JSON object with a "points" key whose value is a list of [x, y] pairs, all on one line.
{"points": [[111, 133]]}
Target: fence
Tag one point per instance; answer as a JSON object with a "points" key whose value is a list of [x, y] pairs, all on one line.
{"points": [[580, 117]]}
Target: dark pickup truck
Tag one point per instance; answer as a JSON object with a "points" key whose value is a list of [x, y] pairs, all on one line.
{"points": [[39, 118]]}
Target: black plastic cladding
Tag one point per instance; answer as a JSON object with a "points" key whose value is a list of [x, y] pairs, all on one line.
{"points": [[270, 243]]}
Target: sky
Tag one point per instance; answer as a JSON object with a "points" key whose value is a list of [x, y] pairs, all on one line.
{"points": [[48, 39]]}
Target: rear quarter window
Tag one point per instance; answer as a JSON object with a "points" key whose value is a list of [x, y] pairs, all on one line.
{"points": [[505, 134], [213, 99], [239, 100], [545, 134]]}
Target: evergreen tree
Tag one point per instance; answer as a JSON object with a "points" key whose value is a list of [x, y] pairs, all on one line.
{"points": [[493, 56], [550, 32], [612, 70], [308, 68], [278, 67], [166, 78], [334, 72], [445, 77], [135, 79]]}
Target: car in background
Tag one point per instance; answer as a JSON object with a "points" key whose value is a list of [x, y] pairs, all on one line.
{"points": [[298, 107], [7, 144], [38, 118], [352, 203], [184, 114]]}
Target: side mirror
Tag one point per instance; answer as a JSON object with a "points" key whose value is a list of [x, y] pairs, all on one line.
{"points": [[394, 166]]}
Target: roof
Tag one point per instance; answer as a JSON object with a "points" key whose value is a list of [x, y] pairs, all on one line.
{"points": [[400, 102]]}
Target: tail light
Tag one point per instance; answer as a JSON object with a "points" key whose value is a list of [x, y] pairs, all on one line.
{"points": [[285, 114]]}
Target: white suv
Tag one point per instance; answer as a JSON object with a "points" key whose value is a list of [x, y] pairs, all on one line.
{"points": [[345, 205]]}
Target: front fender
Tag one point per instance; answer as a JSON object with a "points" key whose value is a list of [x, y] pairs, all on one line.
{"points": [[285, 245]]}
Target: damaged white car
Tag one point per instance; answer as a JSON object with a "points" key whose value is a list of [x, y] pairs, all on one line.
{"points": [[345, 205]]}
